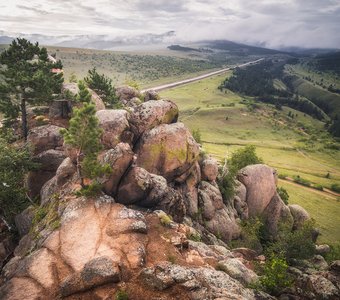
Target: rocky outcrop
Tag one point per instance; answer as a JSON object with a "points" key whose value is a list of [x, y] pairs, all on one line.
{"points": [[209, 169], [260, 182], [149, 190], [48, 162], [300, 215], [237, 270], [96, 239], [119, 159], [262, 199], [151, 114], [200, 283], [126, 93], [151, 95], [44, 138], [116, 127], [215, 215], [23, 221], [74, 90], [167, 150]]}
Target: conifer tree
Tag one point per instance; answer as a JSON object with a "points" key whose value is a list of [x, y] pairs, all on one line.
{"points": [[83, 135], [26, 78], [83, 94], [103, 86]]}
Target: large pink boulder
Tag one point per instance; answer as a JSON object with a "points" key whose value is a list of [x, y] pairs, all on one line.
{"points": [[119, 159], [151, 114], [115, 125], [167, 150], [260, 182]]}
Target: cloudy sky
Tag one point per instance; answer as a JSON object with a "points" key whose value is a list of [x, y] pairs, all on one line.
{"points": [[274, 23]]}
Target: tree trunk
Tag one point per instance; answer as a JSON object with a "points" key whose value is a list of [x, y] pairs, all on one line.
{"points": [[24, 128]]}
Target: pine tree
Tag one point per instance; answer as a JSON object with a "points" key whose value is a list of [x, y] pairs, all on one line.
{"points": [[83, 94], [26, 78], [84, 135], [103, 86]]}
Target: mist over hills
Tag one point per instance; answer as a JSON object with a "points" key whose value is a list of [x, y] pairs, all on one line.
{"points": [[149, 42]]}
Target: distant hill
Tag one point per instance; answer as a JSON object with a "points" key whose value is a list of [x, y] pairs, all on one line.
{"points": [[239, 49]]}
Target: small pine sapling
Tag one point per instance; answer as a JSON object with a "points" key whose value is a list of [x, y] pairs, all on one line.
{"points": [[84, 135]]}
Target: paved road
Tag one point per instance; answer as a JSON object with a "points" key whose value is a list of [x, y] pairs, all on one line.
{"points": [[177, 83]]}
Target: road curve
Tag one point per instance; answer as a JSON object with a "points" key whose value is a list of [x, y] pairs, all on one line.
{"points": [[185, 81]]}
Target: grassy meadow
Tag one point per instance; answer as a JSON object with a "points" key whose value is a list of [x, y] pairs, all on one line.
{"points": [[146, 68], [294, 146]]}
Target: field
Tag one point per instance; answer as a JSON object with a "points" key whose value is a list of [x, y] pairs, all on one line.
{"points": [[294, 146], [146, 68], [324, 209]]}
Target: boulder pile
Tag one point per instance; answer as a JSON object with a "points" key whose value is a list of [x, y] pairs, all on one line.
{"points": [[132, 236]]}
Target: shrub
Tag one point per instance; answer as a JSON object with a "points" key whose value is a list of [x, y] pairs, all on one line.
{"points": [[251, 235], [335, 187], [90, 190], [238, 160], [275, 277], [122, 295], [165, 220], [334, 253], [196, 237], [301, 181], [196, 133], [283, 194], [318, 187], [243, 157], [296, 244]]}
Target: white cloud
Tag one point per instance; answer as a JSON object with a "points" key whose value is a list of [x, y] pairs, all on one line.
{"points": [[309, 23]]}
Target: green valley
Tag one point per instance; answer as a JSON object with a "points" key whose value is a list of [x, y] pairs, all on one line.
{"points": [[294, 146]]}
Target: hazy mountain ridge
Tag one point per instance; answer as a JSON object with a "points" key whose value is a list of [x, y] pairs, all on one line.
{"points": [[101, 42]]}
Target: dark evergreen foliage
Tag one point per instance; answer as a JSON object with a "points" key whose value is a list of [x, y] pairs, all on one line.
{"points": [[15, 162], [26, 78], [103, 86]]}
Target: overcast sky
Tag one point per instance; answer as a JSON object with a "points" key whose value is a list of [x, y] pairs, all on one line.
{"points": [[275, 23]]}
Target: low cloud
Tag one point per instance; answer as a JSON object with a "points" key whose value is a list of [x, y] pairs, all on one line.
{"points": [[305, 23]]}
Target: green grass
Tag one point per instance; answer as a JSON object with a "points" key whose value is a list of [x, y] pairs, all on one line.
{"points": [[324, 209], [292, 146]]}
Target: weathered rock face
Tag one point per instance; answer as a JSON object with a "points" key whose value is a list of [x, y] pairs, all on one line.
{"points": [[150, 190], [260, 182], [240, 201], [119, 159], [151, 114], [216, 216], [275, 213], [63, 176], [95, 241], [195, 281], [116, 127], [237, 270], [60, 109], [209, 169], [151, 95], [48, 161], [74, 90], [167, 150], [126, 93], [6, 243], [189, 189], [300, 215], [44, 138], [23, 221]]}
